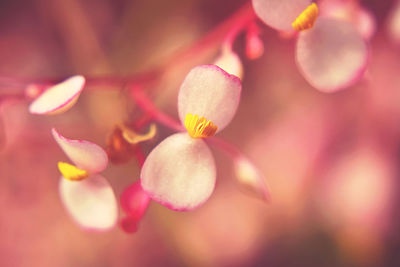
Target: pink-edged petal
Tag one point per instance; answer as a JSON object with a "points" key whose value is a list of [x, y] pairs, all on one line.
{"points": [[332, 55], [58, 98], [279, 14], [91, 202], [86, 155], [210, 92], [179, 173]]}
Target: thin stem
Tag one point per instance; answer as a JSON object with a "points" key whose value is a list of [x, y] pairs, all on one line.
{"points": [[240, 26], [147, 105]]}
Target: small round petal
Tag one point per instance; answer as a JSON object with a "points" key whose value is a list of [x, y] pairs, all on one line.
{"points": [[250, 178], [179, 173], [91, 202], [58, 98], [84, 154], [332, 55], [230, 62], [210, 92], [279, 14]]}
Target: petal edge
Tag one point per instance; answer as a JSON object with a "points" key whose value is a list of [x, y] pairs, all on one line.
{"points": [[86, 155]]}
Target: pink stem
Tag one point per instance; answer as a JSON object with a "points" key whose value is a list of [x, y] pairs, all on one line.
{"points": [[240, 26], [147, 105]]}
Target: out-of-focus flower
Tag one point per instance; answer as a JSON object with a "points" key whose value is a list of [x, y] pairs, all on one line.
{"points": [[356, 198], [180, 172], [87, 196], [330, 52], [393, 23], [331, 55], [58, 98], [351, 11]]}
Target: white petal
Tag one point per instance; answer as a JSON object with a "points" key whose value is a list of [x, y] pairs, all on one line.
{"points": [[210, 92], [58, 98], [179, 173], [332, 55], [279, 14], [86, 155], [91, 202]]}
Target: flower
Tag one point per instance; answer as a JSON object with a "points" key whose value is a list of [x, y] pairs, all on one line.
{"points": [[330, 53], [351, 11], [58, 98], [87, 196], [180, 172], [393, 23]]}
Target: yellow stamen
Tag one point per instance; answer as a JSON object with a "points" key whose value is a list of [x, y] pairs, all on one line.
{"points": [[199, 127], [133, 138], [306, 19], [72, 173]]}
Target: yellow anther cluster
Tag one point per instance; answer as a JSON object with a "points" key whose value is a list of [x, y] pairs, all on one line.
{"points": [[72, 173], [306, 19], [199, 127]]}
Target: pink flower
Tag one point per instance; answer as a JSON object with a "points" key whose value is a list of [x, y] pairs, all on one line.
{"points": [[330, 53], [86, 195], [180, 172]]}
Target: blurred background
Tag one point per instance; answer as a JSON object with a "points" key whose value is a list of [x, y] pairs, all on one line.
{"points": [[331, 160]]}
